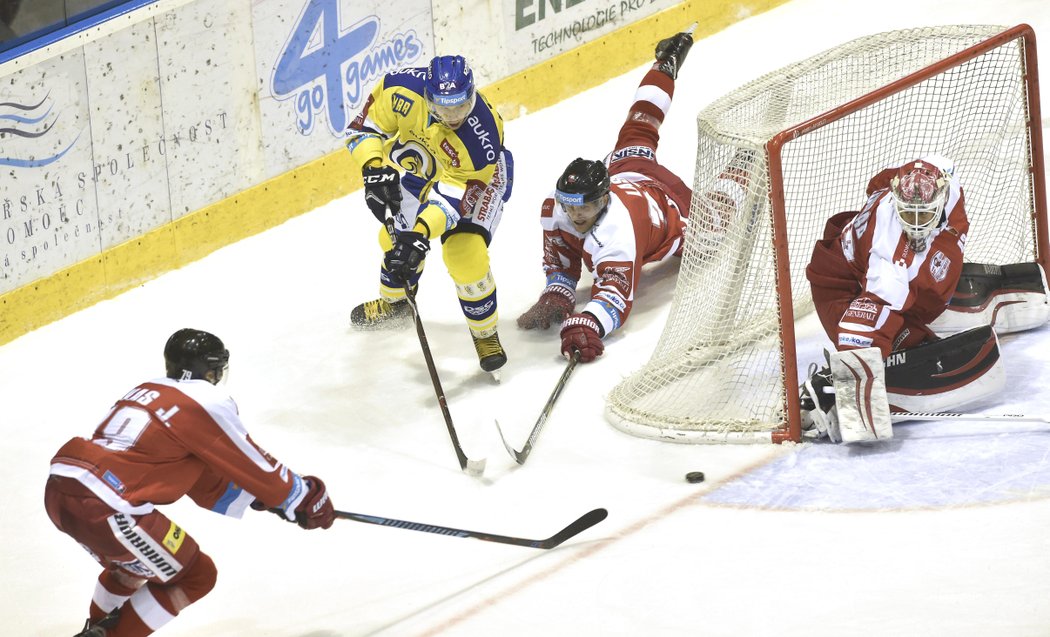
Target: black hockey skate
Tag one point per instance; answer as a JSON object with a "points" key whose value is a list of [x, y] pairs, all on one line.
{"points": [[99, 628], [817, 403], [380, 314], [671, 53], [490, 352]]}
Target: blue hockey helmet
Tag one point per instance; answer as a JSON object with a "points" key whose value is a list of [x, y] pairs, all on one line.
{"points": [[449, 89]]}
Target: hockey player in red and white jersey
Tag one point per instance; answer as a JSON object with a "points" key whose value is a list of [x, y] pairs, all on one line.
{"points": [[614, 217], [880, 279], [880, 276], [167, 438], [915, 328]]}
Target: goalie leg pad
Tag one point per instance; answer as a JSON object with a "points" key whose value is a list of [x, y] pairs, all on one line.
{"points": [[1012, 298], [946, 374], [860, 395]]}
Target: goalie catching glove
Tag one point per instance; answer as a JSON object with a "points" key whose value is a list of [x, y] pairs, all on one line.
{"points": [[315, 510], [581, 333], [382, 190], [555, 304]]}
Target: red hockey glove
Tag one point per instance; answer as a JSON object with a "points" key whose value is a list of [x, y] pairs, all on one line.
{"points": [[316, 509], [555, 304], [580, 332]]}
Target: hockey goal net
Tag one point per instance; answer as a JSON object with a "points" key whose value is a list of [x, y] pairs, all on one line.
{"points": [[780, 155]]}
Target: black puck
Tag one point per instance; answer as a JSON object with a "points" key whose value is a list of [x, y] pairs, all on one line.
{"points": [[694, 477]]}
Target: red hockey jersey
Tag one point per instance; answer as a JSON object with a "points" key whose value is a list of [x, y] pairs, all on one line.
{"points": [[643, 224], [867, 254], [165, 439]]}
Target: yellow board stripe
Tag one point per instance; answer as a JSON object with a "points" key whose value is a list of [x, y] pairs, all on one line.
{"points": [[302, 189]]}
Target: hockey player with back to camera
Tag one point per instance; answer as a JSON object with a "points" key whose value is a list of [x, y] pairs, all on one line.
{"points": [[888, 282], [431, 153], [614, 217], [167, 438]]}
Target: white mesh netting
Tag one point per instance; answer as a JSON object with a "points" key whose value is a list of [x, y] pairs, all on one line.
{"points": [[717, 373]]}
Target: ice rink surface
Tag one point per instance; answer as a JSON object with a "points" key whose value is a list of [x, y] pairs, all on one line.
{"points": [[943, 531]]}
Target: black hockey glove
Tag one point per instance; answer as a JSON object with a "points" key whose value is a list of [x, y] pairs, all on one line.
{"points": [[382, 190], [671, 53], [410, 248]]}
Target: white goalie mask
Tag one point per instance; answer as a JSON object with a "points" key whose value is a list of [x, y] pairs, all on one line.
{"points": [[920, 191]]}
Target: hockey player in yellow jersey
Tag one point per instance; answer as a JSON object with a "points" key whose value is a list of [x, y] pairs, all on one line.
{"points": [[431, 153]]}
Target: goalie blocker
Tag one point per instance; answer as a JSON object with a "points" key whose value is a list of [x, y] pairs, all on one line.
{"points": [[851, 400]]}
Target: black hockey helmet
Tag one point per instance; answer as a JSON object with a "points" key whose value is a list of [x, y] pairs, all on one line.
{"points": [[582, 182], [193, 353]]}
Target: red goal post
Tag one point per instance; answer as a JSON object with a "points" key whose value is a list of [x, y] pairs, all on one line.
{"points": [[781, 154]]}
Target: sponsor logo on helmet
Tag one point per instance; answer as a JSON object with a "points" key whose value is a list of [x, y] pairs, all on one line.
{"points": [[450, 100], [568, 198]]}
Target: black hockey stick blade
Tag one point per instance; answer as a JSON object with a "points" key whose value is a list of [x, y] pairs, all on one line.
{"points": [[584, 522], [521, 456]]}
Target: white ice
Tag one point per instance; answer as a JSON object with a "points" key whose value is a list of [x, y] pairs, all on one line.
{"points": [[942, 532]]}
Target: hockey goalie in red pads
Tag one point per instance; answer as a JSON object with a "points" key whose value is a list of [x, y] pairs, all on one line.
{"points": [[614, 217], [167, 438], [882, 279]]}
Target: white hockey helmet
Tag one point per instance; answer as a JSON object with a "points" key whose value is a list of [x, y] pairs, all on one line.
{"points": [[920, 191]]}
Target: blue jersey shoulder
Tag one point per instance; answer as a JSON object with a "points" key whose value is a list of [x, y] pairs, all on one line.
{"points": [[408, 89], [480, 135], [411, 78]]}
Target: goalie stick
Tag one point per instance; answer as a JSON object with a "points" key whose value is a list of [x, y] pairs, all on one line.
{"points": [[898, 416], [584, 522], [521, 456], [472, 467]]}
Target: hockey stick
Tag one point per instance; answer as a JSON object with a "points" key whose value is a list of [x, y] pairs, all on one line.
{"points": [[520, 456], [899, 416], [472, 467], [584, 522]]}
